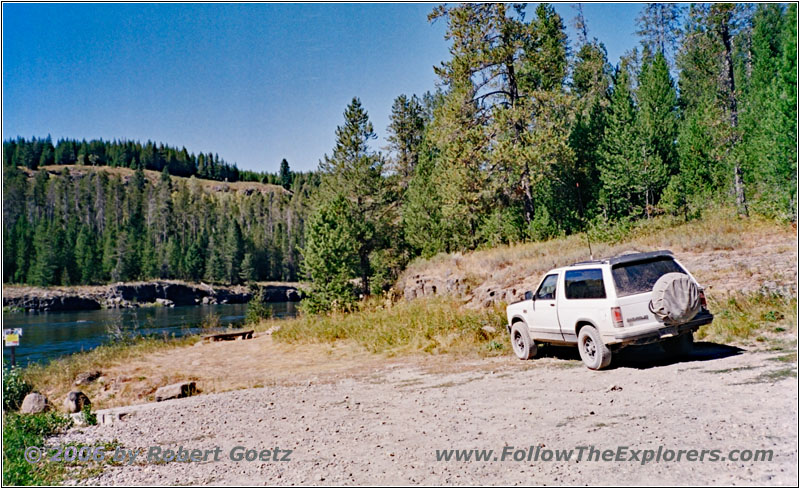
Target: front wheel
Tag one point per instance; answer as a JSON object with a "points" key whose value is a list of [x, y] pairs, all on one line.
{"points": [[524, 348], [594, 353]]}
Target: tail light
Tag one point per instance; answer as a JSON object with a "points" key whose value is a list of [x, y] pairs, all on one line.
{"points": [[616, 317], [703, 300]]}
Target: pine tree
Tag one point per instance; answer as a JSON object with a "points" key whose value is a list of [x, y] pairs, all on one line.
{"points": [[657, 122], [44, 268], [24, 250], [248, 269], [621, 153], [194, 261], [233, 252], [86, 256], [215, 266], [422, 211], [353, 181], [660, 28], [285, 175], [591, 84], [330, 255], [769, 139], [406, 130]]}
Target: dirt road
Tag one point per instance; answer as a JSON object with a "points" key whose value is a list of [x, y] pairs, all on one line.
{"points": [[384, 425]]}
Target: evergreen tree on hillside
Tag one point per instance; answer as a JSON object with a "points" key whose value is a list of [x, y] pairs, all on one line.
{"points": [[285, 175], [660, 28], [710, 105], [768, 129], [86, 256], [45, 264], [351, 206], [233, 252], [657, 129], [406, 130], [621, 152], [591, 84]]}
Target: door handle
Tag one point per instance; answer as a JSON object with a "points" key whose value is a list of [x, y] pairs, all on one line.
{"points": [[552, 305]]}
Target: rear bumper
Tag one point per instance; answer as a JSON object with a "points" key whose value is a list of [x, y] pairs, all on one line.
{"points": [[654, 335]]}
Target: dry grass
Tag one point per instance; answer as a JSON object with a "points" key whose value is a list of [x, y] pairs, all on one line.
{"points": [[131, 374], [752, 319], [436, 325], [719, 230], [700, 244], [153, 176]]}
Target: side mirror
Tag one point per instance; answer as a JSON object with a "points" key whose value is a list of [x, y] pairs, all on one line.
{"points": [[528, 295]]}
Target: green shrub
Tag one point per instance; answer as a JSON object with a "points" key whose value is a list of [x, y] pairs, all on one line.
{"points": [[30, 430], [257, 309], [15, 388], [89, 416]]}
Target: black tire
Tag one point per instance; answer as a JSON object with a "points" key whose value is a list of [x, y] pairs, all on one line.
{"points": [[594, 353], [680, 346], [524, 348]]}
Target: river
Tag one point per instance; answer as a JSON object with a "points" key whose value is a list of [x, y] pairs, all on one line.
{"points": [[48, 335]]}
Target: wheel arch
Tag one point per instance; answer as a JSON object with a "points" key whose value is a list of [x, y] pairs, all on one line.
{"points": [[514, 320], [581, 323]]}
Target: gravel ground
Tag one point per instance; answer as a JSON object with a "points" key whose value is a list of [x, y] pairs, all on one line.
{"points": [[383, 427]]}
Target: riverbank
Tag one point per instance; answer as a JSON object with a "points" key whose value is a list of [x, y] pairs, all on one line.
{"points": [[135, 294]]}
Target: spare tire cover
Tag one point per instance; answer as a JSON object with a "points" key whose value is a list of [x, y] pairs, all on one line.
{"points": [[676, 298]]}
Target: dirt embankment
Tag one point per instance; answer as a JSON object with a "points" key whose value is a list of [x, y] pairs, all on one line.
{"points": [[164, 292], [726, 254]]}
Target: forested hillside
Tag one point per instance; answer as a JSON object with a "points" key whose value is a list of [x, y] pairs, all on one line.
{"points": [[82, 225], [530, 135], [35, 152]]}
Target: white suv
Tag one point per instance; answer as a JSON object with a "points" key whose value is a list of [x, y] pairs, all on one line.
{"points": [[604, 305]]}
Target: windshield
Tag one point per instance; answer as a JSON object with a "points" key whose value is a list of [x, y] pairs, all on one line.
{"points": [[640, 276]]}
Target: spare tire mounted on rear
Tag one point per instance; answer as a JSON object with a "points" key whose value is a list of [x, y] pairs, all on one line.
{"points": [[676, 298]]}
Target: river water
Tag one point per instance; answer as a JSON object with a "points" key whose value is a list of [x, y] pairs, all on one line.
{"points": [[48, 335]]}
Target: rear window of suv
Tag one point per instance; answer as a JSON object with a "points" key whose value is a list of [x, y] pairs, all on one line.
{"points": [[640, 276]]}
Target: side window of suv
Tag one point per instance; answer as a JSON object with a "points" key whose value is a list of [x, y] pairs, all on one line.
{"points": [[584, 284], [547, 291]]}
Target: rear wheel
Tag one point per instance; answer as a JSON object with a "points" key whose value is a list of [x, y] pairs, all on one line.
{"points": [[594, 353], [680, 346], [524, 348]]}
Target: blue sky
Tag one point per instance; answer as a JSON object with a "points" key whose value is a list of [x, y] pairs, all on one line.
{"points": [[252, 82]]}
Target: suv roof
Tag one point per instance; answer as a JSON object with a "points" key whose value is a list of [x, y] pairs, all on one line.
{"points": [[626, 258]]}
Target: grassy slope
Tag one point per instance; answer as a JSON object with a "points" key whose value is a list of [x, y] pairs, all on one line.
{"points": [[724, 252], [153, 176]]}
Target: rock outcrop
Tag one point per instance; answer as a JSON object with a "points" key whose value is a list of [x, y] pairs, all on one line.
{"points": [[53, 303], [76, 401], [124, 295], [176, 391], [34, 403], [85, 378]]}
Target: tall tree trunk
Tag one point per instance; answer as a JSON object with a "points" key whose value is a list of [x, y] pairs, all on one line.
{"points": [[364, 273], [527, 197], [738, 182]]}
